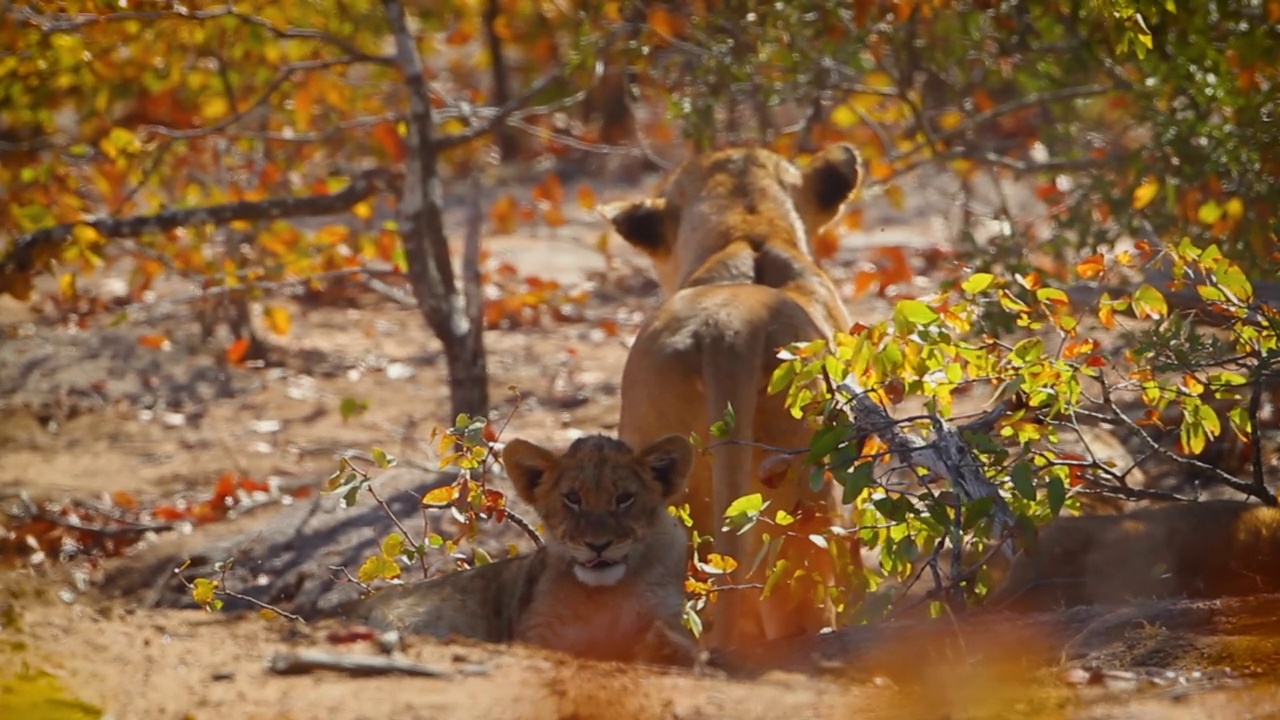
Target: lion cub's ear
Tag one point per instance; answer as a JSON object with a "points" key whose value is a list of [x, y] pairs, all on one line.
{"points": [[526, 465], [641, 223], [669, 460], [831, 177]]}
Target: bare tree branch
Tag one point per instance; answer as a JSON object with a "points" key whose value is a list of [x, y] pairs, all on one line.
{"points": [[31, 252], [72, 22]]}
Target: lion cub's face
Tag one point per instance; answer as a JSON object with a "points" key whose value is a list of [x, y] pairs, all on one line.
{"points": [[601, 501], [745, 191]]}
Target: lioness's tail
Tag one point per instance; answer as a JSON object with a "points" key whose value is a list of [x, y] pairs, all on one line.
{"points": [[731, 380]]}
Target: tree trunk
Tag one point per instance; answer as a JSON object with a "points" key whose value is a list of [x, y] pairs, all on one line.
{"points": [[425, 245]]}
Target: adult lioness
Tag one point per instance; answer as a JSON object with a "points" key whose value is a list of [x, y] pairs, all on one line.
{"points": [[609, 582], [729, 238], [1203, 549]]}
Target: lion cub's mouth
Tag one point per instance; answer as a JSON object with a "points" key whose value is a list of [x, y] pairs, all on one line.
{"points": [[599, 571]]}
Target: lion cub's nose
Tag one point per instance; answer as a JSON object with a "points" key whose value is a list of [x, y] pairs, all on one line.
{"points": [[599, 547]]}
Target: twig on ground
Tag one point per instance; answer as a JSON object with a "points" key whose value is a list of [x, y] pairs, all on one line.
{"points": [[297, 663]]}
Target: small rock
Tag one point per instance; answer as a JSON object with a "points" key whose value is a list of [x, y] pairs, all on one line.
{"points": [[399, 371]]}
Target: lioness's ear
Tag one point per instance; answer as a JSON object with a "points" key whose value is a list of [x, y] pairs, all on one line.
{"points": [[640, 222], [669, 460], [526, 465], [831, 178]]}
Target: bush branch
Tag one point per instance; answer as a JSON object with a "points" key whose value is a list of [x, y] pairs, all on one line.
{"points": [[30, 252]]}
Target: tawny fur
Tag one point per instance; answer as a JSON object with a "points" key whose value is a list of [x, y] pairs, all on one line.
{"points": [[729, 238], [599, 493], [1205, 549]]}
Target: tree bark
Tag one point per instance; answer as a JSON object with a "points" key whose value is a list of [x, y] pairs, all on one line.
{"points": [[508, 140], [426, 247]]}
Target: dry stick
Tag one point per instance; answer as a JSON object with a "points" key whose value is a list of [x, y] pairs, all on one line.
{"points": [[297, 663], [947, 455], [386, 509]]}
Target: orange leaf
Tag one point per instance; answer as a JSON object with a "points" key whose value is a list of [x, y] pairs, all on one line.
{"points": [[388, 137], [154, 342], [826, 244], [124, 500], [237, 350], [663, 21], [982, 100], [586, 197], [168, 513], [553, 216], [225, 487], [1092, 266], [865, 279], [503, 215]]}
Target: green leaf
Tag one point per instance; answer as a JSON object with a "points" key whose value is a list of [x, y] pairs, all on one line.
{"points": [[857, 480], [382, 459], [1023, 479], [780, 570], [910, 314], [782, 377], [721, 429], [825, 442], [481, 557], [351, 407], [747, 505], [1149, 303], [1057, 492], [977, 282]]}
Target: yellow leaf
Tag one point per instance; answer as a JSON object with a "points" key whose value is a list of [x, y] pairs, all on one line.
{"points": [[203, 591], [441, 495], [1145, 193], [393, 545], [896, 195], [1209, 213], [717, 564], [215, 107], [278, 319], [1235, 209], [844, 117], [362, 210], [67, 285], [86, 235], [950, 120], [378, 567], [879, 79]]}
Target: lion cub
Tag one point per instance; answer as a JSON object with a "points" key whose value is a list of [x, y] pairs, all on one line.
{"points": [[1205, 549], [608, 584]]}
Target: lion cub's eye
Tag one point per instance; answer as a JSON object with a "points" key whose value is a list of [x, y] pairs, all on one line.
{"points": [[625, 499], [573, 499]]}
